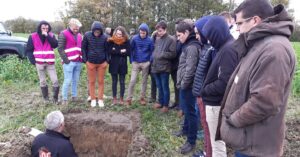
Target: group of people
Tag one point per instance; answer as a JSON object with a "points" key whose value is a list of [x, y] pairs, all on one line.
{"points": [[237, 85]]}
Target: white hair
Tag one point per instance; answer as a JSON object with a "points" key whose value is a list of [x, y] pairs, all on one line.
{"points": [[74, 21], [53, 120]]}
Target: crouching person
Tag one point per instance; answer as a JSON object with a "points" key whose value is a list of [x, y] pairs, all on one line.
{"points": [[41, 54], [53, 141]]}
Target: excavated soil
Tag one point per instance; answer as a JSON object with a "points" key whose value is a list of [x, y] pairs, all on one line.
{"points": [[93, 134]]}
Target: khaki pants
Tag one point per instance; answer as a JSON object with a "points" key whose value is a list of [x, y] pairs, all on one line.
{"points": [[94, 71], [136, 68], [41, 69], [212, 116]]}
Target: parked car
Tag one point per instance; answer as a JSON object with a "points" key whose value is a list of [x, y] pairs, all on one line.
{"points": [[10, 44]]}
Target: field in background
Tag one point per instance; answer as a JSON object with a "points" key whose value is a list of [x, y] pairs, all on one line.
{"points": [[21, 105]]}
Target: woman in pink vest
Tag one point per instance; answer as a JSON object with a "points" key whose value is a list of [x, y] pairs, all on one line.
{"points": [[41, 54], [69, 48]]}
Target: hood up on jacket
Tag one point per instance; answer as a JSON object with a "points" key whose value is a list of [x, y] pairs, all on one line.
{"points": [[39, 31], [216, 31], [144, 27], [199, 24], [97, 26]]}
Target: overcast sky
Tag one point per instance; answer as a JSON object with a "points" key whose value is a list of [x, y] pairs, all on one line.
{"points": [[48, 9]]}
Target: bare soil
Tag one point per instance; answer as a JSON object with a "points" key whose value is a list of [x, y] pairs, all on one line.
{"points": [[93, 134]]}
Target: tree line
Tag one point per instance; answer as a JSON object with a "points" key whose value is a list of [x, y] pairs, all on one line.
{"points": [[131, 13]]}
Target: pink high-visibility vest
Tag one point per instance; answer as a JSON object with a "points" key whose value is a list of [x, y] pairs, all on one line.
{"points": [[43, 52], [73, 47]]}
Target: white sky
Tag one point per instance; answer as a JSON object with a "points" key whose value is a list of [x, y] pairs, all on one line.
{"points": [[48, 9]]}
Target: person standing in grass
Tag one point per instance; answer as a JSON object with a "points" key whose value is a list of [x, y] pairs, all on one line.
{"points": [[185, 75], [94, 49], [141, 51], [164, 52], [69, 48], [254, 105], [119, 50], [40, 52]]}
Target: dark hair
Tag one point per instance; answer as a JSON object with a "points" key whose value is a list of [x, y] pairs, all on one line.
{"points": [[184, 26], [250, 8], [161, 24], [179, 20]]}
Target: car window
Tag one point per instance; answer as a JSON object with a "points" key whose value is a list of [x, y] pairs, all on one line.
{"points": [[2, 29]]}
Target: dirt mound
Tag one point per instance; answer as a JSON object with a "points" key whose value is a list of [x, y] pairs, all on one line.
{"points": [[94, 134]]}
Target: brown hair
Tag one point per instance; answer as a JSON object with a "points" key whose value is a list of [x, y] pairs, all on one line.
{"points": [[123, 30]]}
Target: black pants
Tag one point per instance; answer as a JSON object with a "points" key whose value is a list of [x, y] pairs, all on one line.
{"points": [[115, 83], [153, 87], [174, 78]]}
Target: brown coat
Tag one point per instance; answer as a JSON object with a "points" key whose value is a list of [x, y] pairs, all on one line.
{"points": [[254, 105]]}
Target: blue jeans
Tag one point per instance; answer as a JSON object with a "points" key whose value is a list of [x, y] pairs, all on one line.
{"points": [[71, 75], [191, 117], [238, 154], [162, 83]]}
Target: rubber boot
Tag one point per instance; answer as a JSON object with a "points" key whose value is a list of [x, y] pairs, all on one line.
{"points": [[55, 95], [45, 94]]}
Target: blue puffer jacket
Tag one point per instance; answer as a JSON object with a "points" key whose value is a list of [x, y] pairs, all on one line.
{"points": [[141, 49], [205, 59]]}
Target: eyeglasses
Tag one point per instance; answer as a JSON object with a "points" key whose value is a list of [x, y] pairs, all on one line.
{"points": [[245, 20]]}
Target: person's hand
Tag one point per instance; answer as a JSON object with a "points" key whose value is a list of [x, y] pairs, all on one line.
{"points": [[44, 152], [45, 33], [123, 50], [199, 100]]}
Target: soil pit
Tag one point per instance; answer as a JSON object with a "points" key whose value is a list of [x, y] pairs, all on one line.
{"points": [[93, 134], [96, 134]]}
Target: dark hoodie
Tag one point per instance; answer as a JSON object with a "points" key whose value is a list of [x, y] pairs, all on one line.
{"points": [[141, 49], [217, 32], [94, 49], [51, 39]]}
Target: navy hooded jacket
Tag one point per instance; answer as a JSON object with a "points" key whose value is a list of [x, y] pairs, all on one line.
{"points": [[94, 49], [216, 31], [141, 49]]}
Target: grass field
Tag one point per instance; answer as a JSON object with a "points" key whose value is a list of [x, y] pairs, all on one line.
{"points": [[21, 105]]}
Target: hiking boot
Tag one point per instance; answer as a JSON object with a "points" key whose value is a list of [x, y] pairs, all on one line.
{"points": [[157, 106], [173, 106], [164, 109], [143, 101], [128, 102], [121, 102], [186, 148], [114, 101]]}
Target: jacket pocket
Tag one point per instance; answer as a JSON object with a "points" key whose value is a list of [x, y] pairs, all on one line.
{"points": [[232, 136]]}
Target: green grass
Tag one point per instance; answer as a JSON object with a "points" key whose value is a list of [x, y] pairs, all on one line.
{"points": [[21, 104]]}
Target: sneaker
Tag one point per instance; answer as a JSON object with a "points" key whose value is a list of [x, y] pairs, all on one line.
{"points": [[101, 104], [186, 148], [173, 106], [143, 101], [93, 103], [164, 109], [199, 153], [89, 99]]}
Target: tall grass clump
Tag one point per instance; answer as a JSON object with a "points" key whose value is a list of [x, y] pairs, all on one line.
{"points": [[296, 81]]}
